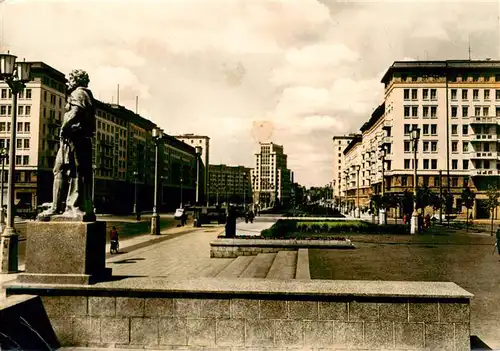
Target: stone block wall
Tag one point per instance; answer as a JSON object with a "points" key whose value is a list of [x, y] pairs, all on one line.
{"points": [[259, 321]]}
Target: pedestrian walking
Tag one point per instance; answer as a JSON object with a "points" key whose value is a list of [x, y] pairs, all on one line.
{"points": [[497, 243]]}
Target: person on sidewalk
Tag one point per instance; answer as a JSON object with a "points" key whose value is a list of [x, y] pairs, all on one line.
{"points": [[114, 240], [497, 243]]}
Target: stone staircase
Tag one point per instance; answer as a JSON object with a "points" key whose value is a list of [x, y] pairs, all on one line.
{"points": [[280, 265]]}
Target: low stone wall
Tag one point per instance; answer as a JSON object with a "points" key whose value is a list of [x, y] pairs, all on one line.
{"points": [[229, 314], [229, 248]]}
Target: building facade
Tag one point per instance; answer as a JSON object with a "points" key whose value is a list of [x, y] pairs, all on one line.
{"points": [[229, 184], [204, 142], [456, 106], [338, 185], [271, 179]]}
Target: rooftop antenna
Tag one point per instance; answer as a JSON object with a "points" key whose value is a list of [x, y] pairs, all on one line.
{"points": [[469, 48], [118, 95], [136, 104]]}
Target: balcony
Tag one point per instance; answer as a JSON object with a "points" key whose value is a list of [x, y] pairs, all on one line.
{"points": [[484, 137], [386, 140], [387, 124], [484, 120], [485, 172], [483, 155]]}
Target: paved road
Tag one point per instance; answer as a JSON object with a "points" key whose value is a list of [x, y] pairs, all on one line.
{"points": [[466, 259], [253, 229]]}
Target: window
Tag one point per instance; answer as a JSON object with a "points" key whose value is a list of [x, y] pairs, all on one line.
{"points": [[407, 129], [425, 146], [4, 93], [497, 111], [464, 94], [434, 164], [433, 94], [3, 110], [20, 110], [465, 129], [433, 129], [414, 94], [454, 112], [26, 126], [434, 112], [497, 77], [487, 94], [426, 112], [454, 146], [21, 94], [436, 181], [477, 111], [28, 93], [425, 129], [465, 111], [434, 146], [27, 110], [475, 78], [407, 111], [465, 164], [26, 143], [425, 94], [475, 94], [19, 143], [486, 111], [426, 164], [406, 94], [2, 126], [453, 94], [454, 129], [407, 163], [404, 179], [19, 160], [26, 160], [465, 146], [407, 146], [414, 111], [45, 96], [19, 126], [497, 94], [454, 164]]}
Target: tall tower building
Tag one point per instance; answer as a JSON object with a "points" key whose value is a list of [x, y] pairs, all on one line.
{"points": [[271, 179], [339, 144]]}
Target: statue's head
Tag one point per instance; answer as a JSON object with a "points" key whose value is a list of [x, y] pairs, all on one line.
{"points": [[78, 78]]}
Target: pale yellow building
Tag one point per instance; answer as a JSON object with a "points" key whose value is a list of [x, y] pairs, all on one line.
{"points": [[338, 184]]}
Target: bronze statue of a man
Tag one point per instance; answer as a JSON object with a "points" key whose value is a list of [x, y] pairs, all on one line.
{"points": [[73, 163]]}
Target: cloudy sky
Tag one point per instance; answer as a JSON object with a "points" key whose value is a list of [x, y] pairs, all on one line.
{"points": [[304, 70]]}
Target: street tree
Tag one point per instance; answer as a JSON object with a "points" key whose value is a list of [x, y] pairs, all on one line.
{"points": [[468, 198], [492, 201]]}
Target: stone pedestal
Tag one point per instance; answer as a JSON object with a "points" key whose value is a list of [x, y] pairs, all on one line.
{"points": [[60, 252]]}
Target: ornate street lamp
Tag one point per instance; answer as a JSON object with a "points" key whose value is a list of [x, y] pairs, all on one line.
{"points": [[16, 75], [135, 174], [3, 155], [155, 218], [198, 155], [415, 136]]}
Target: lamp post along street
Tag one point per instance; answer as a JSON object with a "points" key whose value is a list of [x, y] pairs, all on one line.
{"points": [[415, 135], [135, 192], [16, 75], [155, 218], [383, 217], [198, 155], [358, 167], [93, 185], [3, 156]]}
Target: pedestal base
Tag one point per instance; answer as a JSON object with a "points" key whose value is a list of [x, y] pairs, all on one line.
{"points": [[65, 253], [9, 253], [155, 225], [382, 217]]}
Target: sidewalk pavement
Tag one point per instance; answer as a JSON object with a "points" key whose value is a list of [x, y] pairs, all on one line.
{"points": [[144, 240]]}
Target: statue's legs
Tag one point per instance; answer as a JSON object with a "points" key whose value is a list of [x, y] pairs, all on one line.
{"points": [[79, 199], [58, 185]]}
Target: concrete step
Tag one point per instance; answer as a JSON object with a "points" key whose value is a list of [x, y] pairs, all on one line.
{"points": [[302, 270], [283, 266], [259, 266], [235, 268], [217, 265]]}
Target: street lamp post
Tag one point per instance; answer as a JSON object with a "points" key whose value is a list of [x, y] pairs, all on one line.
{"points": [[415, 135], [16, 75], [3, 156], [383, 217], [155, 218], [358, 167], [94, 167], [135, 192], [245, 187], [198, 155], [346, 175], [182, 180]]}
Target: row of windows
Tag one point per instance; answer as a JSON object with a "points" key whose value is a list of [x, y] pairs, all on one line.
{"points": [[456, 78], [432, 93], [454, 181], [7, 94], [431, 111], [22, 110], [425, 94], [5, 126], [425, 129], [21, 160]]}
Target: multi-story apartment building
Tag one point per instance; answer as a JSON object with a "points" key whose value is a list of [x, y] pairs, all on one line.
{"points": [[339, 145], [123, 149], [271, 179], [204, 142], [456, 106], [229, 184]]}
